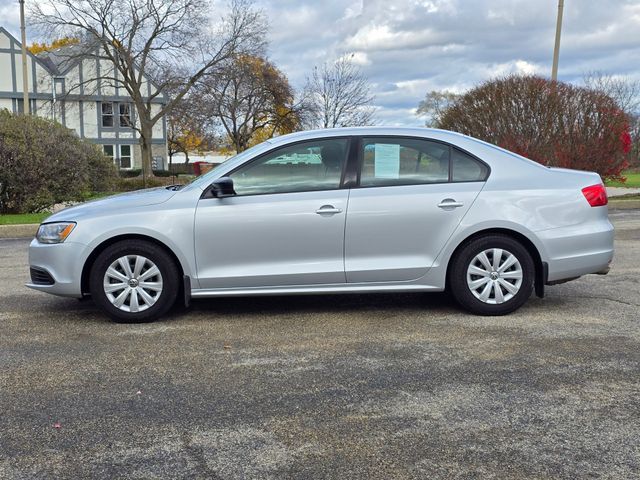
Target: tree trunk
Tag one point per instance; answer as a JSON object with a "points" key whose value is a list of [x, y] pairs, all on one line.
{"points": [[147, 156]]}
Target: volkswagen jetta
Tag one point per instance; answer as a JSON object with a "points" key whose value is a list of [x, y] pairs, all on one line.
{"points": [[335, 211]]}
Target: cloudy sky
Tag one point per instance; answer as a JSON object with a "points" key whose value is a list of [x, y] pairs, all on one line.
{"points": [[408, 47]]}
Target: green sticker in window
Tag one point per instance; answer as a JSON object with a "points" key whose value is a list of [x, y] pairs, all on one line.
{"points": [[387, 160]]}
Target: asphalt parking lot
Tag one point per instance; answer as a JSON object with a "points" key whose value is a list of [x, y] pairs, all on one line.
{"points": [[378, 386]]}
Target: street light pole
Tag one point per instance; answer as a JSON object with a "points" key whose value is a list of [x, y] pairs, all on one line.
{"points": [[556, 48], [25, 80]]}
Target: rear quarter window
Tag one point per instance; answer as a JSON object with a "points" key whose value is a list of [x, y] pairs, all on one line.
{"points": [[465, 168]]}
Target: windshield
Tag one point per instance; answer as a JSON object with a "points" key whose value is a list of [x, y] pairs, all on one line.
{"points": [[203, 180]]}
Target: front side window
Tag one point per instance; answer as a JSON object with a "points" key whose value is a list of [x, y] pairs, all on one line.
{"points": [[107, 114], [125, 114], [307, 166], [125, 156], [389, 161]]}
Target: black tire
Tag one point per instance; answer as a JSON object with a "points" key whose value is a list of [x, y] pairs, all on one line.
{"points": [[156, 254], [462, 293]]}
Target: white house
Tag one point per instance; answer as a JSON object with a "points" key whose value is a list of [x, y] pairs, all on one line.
{"points": [[73, 90]]}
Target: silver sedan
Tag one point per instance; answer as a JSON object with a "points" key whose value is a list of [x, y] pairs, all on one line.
{"points": [[335, 211]]}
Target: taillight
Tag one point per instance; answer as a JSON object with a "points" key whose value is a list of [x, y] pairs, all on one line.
{"points": [[596, 195]]}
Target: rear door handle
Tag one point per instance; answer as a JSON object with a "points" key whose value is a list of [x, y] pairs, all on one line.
{"points": [[450, 203], [328, 210]]}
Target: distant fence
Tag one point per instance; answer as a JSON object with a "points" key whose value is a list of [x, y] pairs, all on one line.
{"points": [[181, 168]]}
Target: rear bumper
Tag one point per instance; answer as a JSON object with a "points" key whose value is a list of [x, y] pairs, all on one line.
{"points": [[578, 250], [62, 263]]}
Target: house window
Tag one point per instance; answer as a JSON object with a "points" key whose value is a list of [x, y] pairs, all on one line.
{"points": [[125, 156], [107, 114], [125, 114], [59, 85], [108, 151]]}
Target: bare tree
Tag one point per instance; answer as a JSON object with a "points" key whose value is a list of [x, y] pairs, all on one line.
{"points": [[252, 99], [626, 93], [434, 105], [190, 128], [172, 40], [339, 95]]}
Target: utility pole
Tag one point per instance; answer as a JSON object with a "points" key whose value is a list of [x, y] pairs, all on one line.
{"points": [[25, 80], [556, 48]]}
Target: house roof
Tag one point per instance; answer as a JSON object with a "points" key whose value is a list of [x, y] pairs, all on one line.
{"points": [[62, 59], [46, 65], [58, 62]]}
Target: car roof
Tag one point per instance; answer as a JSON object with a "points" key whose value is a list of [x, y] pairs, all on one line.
{"points": [[373, 130], [486, 151]]}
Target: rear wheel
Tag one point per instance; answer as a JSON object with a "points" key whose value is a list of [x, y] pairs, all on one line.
{"points": [[492, 275], [134, 281]]}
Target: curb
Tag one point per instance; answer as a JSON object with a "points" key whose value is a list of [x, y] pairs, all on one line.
{"points": [[18, 231], [624, 204]]}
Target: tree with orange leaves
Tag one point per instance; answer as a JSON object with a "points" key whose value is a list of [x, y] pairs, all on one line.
{"points": [[36, 47], [252, 99]]}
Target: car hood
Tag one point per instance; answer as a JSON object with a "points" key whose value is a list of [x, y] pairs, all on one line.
{"points": [[139, 198]]}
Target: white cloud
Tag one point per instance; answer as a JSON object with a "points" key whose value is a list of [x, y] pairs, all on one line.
{"points": [[354, 9], [358, 58], [413, 46], [382, 37], [10, 15], [408, 47]]}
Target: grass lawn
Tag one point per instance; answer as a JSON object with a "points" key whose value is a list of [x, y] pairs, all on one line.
{"points": [[15, 219], [29, 218], [633, 180]]}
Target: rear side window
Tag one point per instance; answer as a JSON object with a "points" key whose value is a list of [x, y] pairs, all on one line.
{"points": [[465, 168], [410, 161], [390, 161]]}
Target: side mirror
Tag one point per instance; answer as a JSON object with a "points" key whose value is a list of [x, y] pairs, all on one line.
{"points": [[222, 187]]}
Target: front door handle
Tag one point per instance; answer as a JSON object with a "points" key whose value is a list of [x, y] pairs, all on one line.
{"points": [[328, 210], [450, 203]]}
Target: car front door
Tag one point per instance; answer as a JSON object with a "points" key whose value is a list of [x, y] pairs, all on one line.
{"points": [[284, 226], [411, 195]]}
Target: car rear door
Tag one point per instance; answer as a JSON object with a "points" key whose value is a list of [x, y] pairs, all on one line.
{"points": [[411, 195], [284, 227]]}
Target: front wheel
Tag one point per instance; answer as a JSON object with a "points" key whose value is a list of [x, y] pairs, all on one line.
{"points": [[134, 281], [492, 275]]}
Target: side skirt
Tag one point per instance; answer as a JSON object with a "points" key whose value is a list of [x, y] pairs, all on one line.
{"points": [[313, 289]]}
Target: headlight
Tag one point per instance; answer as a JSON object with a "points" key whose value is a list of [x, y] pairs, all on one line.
{"points": [[54, 232]]}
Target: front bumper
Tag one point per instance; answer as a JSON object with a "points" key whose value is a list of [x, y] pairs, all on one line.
{"points": [[63, 262]]}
